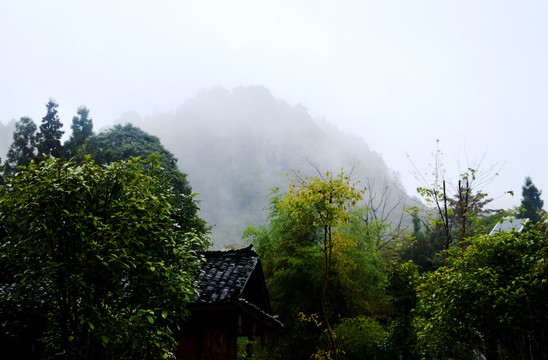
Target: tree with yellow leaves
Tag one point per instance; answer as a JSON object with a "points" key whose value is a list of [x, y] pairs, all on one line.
{"points": [[323, 203]]}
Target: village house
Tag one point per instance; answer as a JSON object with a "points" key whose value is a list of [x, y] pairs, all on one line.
{"points": [[232, 302]]}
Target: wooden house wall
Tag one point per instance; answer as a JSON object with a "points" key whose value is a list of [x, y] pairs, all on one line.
{"points": [[208, 344], [209, 337]]}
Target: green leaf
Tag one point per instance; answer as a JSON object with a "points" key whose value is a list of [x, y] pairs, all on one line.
{"points": [[71, 258]]}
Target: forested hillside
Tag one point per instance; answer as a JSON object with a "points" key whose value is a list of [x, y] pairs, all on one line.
{"points": [[237, 145]]}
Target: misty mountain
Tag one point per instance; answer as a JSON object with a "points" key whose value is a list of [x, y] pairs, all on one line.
{"points": [[237, 145]]}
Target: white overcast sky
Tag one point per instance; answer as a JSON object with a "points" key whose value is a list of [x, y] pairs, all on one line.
{"points": [[400, 74]]}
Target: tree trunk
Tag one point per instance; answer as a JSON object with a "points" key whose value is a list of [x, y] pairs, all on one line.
{"points": [[327, 259]]}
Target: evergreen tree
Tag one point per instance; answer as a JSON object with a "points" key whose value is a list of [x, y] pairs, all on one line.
{"points": [[531, 203], [49, 137], [123, 142], [23, 148], [82, 128]]}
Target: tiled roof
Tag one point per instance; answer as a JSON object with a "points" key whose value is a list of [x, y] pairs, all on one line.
{"points": [[224, 275], [509, 224], [223, 279]]}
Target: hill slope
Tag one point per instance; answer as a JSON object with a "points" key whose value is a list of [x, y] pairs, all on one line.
{"points": [[237, 145]]}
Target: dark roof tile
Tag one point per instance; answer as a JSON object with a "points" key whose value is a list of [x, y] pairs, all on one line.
{"points": [[224, 275]]}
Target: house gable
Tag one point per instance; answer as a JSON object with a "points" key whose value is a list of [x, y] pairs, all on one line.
{"points": [[232, 301]]}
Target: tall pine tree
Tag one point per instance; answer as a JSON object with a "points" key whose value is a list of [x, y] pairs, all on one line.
{"points": [[23, 148], [82, 128], [49, 137], [531, 203]]}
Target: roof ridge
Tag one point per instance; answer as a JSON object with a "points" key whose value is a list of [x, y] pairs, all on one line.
{"points": [[227, 251]]}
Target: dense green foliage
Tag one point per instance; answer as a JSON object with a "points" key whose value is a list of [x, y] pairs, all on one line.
{"points": [[96, 252], [93, 264], [359, 338], [531, 203], [292, 263], [100, 250], [491, 300], [116, 144], [423, 247], [400, 286], [293, 256], [487, 302], [324, 203]]}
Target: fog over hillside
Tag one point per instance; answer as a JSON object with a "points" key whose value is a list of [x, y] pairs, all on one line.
{"points": [[6, 138], [237, 145]]}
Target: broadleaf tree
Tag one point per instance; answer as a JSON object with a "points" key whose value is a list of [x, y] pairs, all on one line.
{"points": [[323, 203], [292, 257], [489, 303], [455, 215], [291, 261], [93, 266]]}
